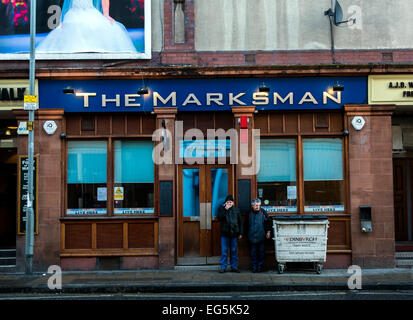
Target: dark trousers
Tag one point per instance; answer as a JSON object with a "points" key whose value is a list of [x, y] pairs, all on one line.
{"points": [[257, 255], [230, 244]]}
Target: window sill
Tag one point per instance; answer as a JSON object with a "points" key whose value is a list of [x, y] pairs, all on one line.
{"points": [[327, 213], [118, 217]]}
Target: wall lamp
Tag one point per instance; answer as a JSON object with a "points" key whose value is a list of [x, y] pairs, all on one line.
{"points": [[143, 90], [338, 87], [264, 88], [68, 90]]}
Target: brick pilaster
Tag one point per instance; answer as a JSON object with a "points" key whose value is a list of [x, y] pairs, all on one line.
{"points": [[49, 149], [167, 224]]}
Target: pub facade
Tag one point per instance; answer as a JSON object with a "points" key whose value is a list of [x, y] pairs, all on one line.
{"points": [[135, 151], [132, 181]]}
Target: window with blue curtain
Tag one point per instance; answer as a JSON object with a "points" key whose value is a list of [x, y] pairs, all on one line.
{"points": [[86, 177], [276, 178], [323, 174], [133, 177]]}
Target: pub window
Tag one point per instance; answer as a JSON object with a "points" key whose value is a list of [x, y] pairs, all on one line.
{"points": [[133, 177], [323, 174], [86, 177], [276, 179]]}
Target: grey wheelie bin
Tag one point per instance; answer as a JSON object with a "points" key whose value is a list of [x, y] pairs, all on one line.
{"points": [[300, 238]]}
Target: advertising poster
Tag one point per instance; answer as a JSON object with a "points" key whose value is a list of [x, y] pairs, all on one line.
{"points": [[76, 29]]}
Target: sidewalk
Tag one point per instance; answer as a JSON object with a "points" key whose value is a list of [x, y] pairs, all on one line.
{"points": [[168, 281]]}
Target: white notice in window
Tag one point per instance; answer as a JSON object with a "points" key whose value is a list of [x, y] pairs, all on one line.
{"points": [[102, 194], [291, 192]]}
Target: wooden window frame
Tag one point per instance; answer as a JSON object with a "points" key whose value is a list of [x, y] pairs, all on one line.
{"points": [[299, 135], [110, 167], [333, 131]]}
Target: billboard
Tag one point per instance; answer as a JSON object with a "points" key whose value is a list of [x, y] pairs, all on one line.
{"points": [[77, 29]]}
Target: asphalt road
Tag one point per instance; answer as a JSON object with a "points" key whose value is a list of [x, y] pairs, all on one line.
{"points": [[354, 295]]}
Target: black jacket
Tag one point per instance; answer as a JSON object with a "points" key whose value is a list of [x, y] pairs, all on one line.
{"points": [[258, 224], [231, 221]]}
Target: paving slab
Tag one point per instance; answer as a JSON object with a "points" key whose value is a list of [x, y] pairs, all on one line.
{"points": [[204, 281]]}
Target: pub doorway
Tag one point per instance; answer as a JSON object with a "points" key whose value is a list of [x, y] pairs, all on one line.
{"points": [[202, 189]]}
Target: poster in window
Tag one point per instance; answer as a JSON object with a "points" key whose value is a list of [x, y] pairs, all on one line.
{"points": [[76, 29]]}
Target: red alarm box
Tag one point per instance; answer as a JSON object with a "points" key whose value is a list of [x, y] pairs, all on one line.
{"points": [[243, 122]]}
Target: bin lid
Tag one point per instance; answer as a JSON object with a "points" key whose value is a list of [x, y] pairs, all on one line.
{"points": [[300, 217]]}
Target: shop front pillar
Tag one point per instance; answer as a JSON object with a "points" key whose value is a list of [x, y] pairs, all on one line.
{"points": [[48, 151], [165, 185], [245, 167], [371, 184]]}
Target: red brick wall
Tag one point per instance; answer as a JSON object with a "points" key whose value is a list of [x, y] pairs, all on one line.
{"points": [[371, 183], [169, 41], [237, 58]]}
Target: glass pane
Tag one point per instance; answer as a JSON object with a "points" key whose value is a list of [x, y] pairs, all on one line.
{"points": [[323, 175], [323, 159], [190, 192], [277, 175], [277, 160], [133, 162], [86, 177], [219, 184], [278, 196], [86, 198], [323, 196], [86, 161], [134, 177], [134, 198]]}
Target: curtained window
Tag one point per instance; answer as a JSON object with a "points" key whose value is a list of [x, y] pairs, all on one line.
{"points": [[323, 174], [276, 179], [86, 177], [134, 177]]}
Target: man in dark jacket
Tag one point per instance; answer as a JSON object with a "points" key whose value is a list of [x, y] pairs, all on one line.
{"points": [[231, 231], [259, 229]]}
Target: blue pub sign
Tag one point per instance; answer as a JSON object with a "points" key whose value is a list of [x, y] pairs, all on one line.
{"points": [[305, 93]]}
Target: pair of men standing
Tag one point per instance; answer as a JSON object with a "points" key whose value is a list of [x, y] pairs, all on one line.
{"points": [[258, 228]]}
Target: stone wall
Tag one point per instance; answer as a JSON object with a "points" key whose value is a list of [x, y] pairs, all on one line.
{"points": [[49, 149], [371, 183]]}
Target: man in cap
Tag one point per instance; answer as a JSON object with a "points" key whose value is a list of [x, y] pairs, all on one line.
{"points": [[259, 229], [231, 231]]}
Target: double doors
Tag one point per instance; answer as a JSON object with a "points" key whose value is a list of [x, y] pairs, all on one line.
{"points": [[203, 188]]}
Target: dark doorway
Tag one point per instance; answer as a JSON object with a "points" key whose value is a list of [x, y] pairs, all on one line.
{"points": [[8, 183], [403, 203], [8, 195]]}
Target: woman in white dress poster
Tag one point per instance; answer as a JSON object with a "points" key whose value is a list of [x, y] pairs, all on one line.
{"points": [[86, 26]]}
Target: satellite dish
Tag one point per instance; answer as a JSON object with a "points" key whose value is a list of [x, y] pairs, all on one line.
{"points": [[335, 17], [337, 14]]}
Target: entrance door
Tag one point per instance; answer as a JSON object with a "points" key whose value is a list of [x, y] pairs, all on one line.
{"points": [[403, 199], [203, 189]]}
